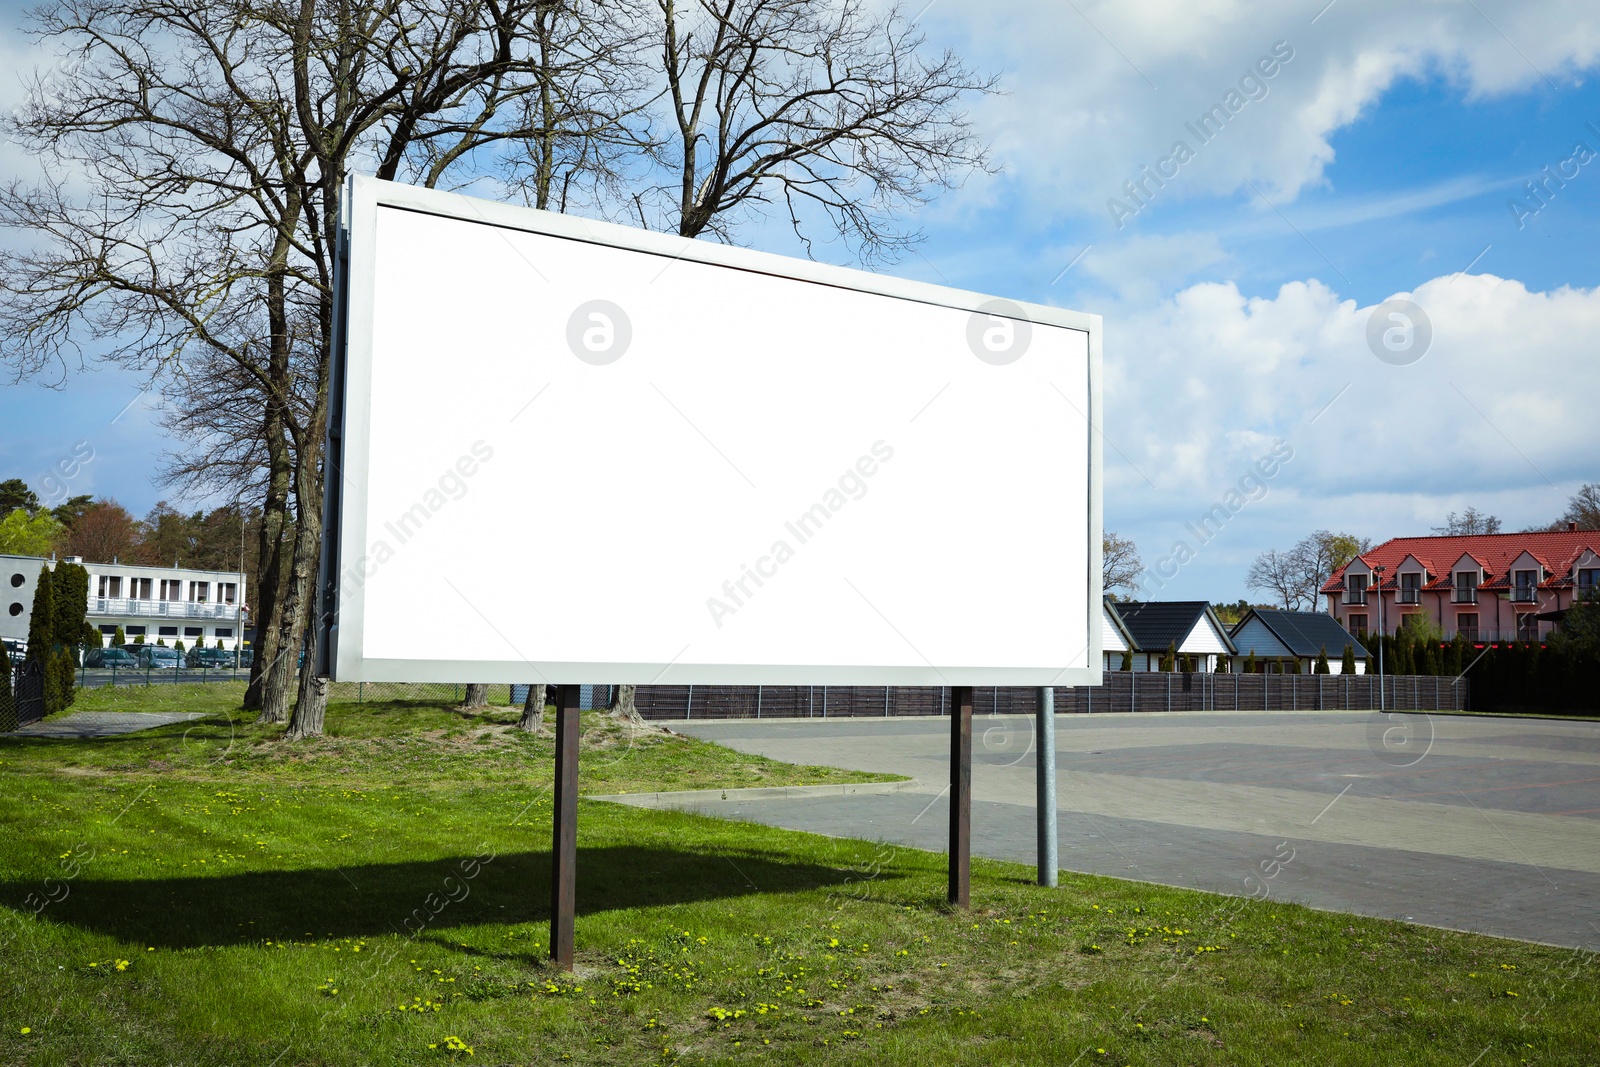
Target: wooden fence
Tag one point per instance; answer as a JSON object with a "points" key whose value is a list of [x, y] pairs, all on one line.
{"points": [[1119, 692]]}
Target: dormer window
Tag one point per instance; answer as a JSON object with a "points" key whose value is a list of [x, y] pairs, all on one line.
{"points": [[1410, 587], [1466, 586], [1588, 580], [1525, 587], [1355, 589]]}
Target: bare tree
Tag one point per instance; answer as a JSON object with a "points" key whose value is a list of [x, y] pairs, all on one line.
{"points": [[1296, 577], [189, 216], [1282, 574], [1583, 510], [833, 111], [213, 143], [1469, 522], [1120, 565]]}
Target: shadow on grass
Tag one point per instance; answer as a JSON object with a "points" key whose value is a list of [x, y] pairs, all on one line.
{"points": [[372, 900]]}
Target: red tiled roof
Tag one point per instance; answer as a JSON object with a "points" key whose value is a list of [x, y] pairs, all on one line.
{"points": [[1494, 551]]}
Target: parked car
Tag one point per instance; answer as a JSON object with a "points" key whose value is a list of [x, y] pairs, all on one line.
{"points": [[210, 658], [159, 657], [247, 657], [110, 657]]}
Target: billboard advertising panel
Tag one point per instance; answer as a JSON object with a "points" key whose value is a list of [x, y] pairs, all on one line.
{"points": [[568, 451]]}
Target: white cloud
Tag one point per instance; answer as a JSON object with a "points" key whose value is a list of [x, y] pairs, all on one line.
{"points": [[1498, 413], [1098, 90]]}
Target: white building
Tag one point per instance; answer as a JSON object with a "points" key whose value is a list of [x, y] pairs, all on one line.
{"points": [[1146, 629], [157, 603]]}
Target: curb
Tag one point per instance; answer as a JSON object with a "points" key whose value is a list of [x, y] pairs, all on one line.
{"points": [[780, 792]]}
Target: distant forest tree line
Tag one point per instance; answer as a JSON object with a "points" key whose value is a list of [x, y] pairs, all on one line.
{"points": [[225, 538]]}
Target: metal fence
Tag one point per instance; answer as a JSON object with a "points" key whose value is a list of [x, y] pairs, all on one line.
{"points": [[25, 701], [1136, 692]]}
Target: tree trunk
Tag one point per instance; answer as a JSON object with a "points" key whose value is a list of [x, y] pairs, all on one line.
{"points": [[477, 695], [623, 708], [272, 576], [301, 599], [311, 707], [532, 720]]}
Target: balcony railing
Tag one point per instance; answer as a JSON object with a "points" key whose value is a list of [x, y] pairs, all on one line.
{"points": [[1464, 596], [1524, 595], [1485, 636], [157, 609], [1409, 596], [1355, 596]]}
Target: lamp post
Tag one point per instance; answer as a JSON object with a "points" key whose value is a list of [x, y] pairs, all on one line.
{"points": [[1378, 570]]}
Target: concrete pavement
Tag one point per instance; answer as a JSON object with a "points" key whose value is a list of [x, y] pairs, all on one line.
{"points": [[1475, 823]]}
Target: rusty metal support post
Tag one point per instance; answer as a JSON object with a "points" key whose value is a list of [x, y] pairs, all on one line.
{"points": [[961, 795], [564, 832]]}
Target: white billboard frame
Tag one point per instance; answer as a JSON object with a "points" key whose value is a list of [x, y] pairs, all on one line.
{"points": [[341, 610]]}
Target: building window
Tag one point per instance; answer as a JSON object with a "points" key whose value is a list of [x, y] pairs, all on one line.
{"points": [[133, 631], [110, 587], [1410, 587], [138, 589], [1588, 580], [17, 580], [1525, 591], [227, 592], [194, 631], [1355, 589], [1358, 624], [223, 631], [1527, 627], [1466, 587], [198, 591], [1467, 625], [15, 609], [171, 589], [166, 631], [108, 630]]}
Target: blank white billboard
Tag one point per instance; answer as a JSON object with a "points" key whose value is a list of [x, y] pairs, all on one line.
{"points": [[567, 451]]}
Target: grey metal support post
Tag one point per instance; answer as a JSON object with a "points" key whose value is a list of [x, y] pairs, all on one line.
{"points": [[960, 893], [564, 835], [1045, 779]]}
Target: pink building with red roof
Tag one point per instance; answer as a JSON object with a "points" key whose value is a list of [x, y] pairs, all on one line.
{"points": [[1489, 587]]}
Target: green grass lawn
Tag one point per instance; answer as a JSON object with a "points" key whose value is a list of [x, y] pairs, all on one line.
{"points": [[205, 894]]}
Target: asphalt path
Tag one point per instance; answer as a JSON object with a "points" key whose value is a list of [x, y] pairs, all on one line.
{"points": [[1465, 822]]}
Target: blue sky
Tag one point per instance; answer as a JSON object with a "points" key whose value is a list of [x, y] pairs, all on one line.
{"points": [[1379, 161]]}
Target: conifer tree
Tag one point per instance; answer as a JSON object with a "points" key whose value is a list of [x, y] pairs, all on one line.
{"points": [[1169, 658], [1127, 661], [1322, 662], [1250, 664], [1347, 662], [118, 638], [42, 640]]}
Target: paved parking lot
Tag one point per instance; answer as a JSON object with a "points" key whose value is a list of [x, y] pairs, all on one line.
{"points": [[1484, 824]]}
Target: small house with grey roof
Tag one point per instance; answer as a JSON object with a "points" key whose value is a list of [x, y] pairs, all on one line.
{"points": [[1275, 634]]}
